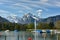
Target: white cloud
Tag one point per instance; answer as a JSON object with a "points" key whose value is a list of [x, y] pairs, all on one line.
{"points": [[54, 3], [20, 12], [43, 1], [22, 5], [26, 6], [13, 15], [30, 4], [39, 3], [39, 12], [57, 4], [4, 13]]}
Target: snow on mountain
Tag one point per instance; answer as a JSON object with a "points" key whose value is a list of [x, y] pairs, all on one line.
{"points": [[27, 18], [13, 18]]}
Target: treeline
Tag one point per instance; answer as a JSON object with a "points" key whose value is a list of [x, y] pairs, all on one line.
{"points": [[12, 26], [24, 27]]}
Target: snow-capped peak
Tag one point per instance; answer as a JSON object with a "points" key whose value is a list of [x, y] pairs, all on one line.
{"points": [[13, 18], [27, 18]]}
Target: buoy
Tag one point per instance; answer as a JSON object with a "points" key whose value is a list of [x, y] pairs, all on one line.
{"points": [[29, 38]]}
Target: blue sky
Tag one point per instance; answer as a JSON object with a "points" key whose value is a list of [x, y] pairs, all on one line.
{"points": [[21, 7]]}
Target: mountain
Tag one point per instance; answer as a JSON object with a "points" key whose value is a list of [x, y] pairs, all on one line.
{"points": [[52, 19], [3, 19], [14, 19], [29, 18]]}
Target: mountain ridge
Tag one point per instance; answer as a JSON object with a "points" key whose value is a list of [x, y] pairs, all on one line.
{"points": [[3, 19], [28, 18]]}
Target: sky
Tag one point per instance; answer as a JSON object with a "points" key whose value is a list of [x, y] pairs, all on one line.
{"points": [[20, 7]]}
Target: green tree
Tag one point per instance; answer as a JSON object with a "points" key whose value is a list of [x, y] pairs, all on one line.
{"points": [[42, 26], [57, 25], [30, 26], [51, 25]]}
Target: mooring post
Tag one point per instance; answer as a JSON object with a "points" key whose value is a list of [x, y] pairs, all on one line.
{"points": [[18, 36], [57, 36], [5, 37]]}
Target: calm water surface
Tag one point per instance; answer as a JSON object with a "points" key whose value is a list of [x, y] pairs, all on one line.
{"points": [[25, 35]]}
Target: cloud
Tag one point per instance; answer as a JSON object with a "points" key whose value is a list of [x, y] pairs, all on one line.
{"points": [[32, 2], [13, 16], [4, 13], [39, 12], [20, 11], [54, 3], [57, 4], [43, 1], [22, 5], [30, 5]]}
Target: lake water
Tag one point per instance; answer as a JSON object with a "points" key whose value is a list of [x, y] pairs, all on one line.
{"points": [[25, 35]]}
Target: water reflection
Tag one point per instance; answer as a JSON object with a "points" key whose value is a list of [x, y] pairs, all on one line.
{"points": [[25, 35]]}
